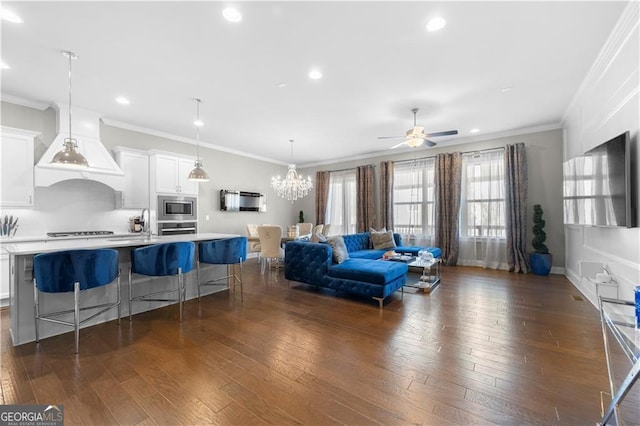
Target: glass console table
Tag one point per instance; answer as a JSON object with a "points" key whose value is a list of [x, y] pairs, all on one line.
{"points": [[618, 320]]}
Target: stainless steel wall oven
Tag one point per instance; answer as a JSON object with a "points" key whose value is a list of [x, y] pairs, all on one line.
{"points": [[177, 207], [177, 228]]}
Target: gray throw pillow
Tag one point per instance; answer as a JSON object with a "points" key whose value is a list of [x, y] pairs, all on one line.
{"points": [[318, 238], [382, 240], [340, 253]]}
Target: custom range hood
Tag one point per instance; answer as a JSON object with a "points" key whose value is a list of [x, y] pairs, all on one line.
{"points": [[86, 130]]}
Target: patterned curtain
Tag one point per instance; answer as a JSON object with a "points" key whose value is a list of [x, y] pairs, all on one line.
{"points": [[448, 170], [386, 195], [516, 187], [364, 202], [322, 195]]}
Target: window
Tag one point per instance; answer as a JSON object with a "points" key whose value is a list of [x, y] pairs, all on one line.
{"points": [[341, 203], [482, 207], [413, 197]]}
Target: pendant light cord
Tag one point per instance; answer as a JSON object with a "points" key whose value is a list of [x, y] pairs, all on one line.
{"points": [[70, 60], [291, 140], [198, 127], [71, 56]]}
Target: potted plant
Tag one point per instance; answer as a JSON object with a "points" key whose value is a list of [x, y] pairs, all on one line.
{"points": [[540, 259]]}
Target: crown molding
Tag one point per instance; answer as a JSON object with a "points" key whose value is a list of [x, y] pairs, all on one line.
{"points": [[39, 105], [164, 135], [622, 31], [461, 141]]}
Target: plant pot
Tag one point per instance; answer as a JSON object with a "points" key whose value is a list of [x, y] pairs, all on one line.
{"points": [[540, 263]]}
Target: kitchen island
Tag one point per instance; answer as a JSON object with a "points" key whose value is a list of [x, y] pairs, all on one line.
{"points": [[21, 304]]}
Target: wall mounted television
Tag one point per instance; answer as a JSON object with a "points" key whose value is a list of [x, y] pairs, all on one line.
{"points": [[242, 201], [597, 186]]}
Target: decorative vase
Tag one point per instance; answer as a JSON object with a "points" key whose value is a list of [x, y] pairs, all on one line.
{"points": [[540, 263]]}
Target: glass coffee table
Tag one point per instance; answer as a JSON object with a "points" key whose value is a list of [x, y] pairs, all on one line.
{"points": [[429, 271]]}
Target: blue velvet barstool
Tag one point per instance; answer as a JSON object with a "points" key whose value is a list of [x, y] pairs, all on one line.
{"points": [[74, 271], [162, 260], [228, 251]]}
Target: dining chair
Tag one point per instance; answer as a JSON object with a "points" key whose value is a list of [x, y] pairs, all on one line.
{"points": [[305, 230], [326, 229], [74, 271], [318, 229], [253, 239], [228, 251], [162, 260], [270, 242]]}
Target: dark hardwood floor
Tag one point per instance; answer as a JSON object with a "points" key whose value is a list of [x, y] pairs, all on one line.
{"points": [[486, 347]]}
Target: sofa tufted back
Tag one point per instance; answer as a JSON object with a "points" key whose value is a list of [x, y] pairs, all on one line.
{"points": [[307, 262], [355, 242]]}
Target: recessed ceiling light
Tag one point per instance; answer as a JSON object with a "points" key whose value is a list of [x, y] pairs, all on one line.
{"points": [[506, 89], [4, 66], [232, 15], [315, 75], [122, 100], [436, 24], [198, 123], [281, 85], [9, 16], [474, 130]]}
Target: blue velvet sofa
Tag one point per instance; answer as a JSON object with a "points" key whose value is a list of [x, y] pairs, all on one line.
{"points": [[362, 274]]}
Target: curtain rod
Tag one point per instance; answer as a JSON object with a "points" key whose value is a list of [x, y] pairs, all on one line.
{"points": [[478, 151], [348, 169]]}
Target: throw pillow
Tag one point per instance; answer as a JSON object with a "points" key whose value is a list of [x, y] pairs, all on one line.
{"points": [[340, 253], [318, 238], [382, 240]]}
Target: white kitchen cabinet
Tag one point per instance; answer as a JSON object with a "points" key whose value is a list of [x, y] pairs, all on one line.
{"points": [[16, 175], [170, 174], [135, 165]]}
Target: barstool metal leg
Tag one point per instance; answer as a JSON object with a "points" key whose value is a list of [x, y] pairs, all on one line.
{"points": [[180, 290], [130, 294], [76, 313], [241, 282], [119, 299], [36, 309], [198, 278]]}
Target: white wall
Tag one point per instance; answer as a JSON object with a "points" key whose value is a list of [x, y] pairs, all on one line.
{"points": [[544, 155], [84, 205], [606, 105]]}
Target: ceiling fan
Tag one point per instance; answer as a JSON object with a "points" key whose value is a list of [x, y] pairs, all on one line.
{"points": [[416, 135]]}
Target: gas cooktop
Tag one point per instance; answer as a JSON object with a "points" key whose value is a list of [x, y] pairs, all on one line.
{"points": [[78, 233]]}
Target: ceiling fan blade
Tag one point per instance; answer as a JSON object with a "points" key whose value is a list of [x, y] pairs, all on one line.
{"points": [[429, 143], [390, 137], [398, 145], [447, 133]]}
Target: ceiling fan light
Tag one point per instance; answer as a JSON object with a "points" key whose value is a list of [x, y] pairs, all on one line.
{"points": [[414, 142]]}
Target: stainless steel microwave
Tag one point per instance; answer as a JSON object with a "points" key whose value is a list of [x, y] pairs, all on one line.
{"points": [[177, 208]]}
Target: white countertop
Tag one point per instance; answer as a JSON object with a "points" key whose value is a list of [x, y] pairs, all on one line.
{"points": [[15, 247]]}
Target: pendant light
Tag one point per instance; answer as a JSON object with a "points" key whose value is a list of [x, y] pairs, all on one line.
{"points": [[69, 156], [293, 186], [198, 174]]}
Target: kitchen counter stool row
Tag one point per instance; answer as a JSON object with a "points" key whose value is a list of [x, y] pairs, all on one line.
{"points": [[77, 271]]}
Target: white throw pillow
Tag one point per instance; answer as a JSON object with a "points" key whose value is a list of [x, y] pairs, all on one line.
{"points": [[340, 253]]}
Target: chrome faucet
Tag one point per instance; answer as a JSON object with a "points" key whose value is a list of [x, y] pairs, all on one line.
{"points": [[144, 216]]}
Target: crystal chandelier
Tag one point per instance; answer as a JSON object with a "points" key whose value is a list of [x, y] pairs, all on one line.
{"points": [[293, 186]]}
